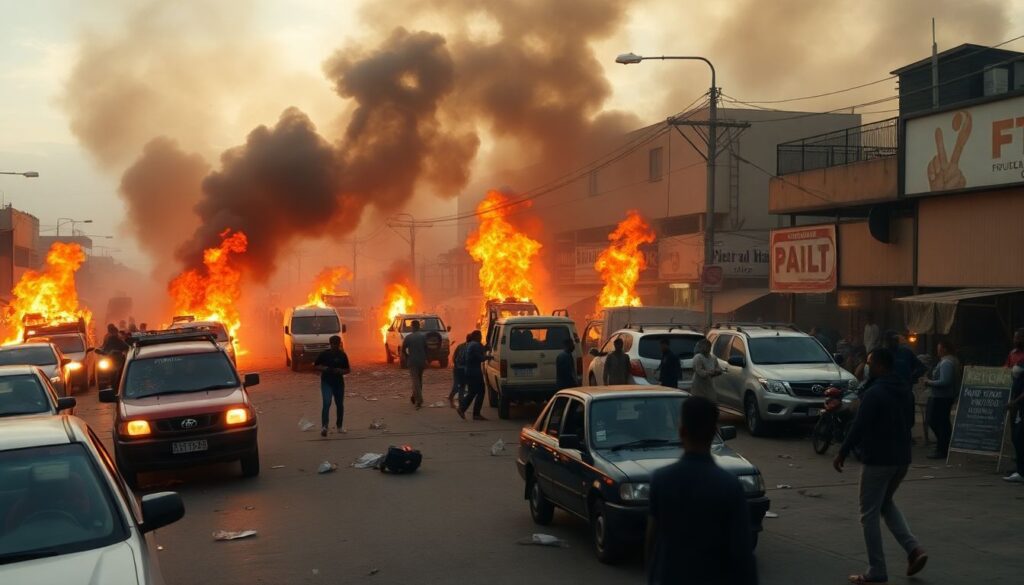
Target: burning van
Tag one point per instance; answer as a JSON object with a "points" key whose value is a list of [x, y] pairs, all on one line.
{"points": [[307, 333]]}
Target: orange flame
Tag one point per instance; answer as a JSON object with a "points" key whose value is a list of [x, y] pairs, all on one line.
{"points": [[326, 283], [48, 297], [212, 294], [504, 253], [398, 300], [621, 262]]}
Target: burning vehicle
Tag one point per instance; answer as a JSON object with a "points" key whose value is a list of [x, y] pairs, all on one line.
{"points": [[307, 333], [224, 340], [75, 341]]}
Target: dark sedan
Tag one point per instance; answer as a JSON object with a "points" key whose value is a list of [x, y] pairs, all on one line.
{"points": [[593, 452]]}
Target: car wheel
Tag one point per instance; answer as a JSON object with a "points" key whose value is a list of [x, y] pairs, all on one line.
{"points": [[294, 363], [592, 379], [443, 362], [387, 354], [251, 463], [753, 416], [541, 509], [131, 477], [606, 545], [821, 436], [503, 407]]}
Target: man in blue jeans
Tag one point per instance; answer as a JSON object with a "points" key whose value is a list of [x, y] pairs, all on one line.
{"points": [[333, 365]]}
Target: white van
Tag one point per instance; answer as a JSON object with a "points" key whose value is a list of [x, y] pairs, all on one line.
{"points": [[523, 352], [307, 332]]}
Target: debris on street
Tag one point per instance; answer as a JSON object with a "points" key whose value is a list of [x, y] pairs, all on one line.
{"points": [[785, 456], [368, 461], [326, 467], [497, 447], [377, 424], [438, 404], [545, 540], [783, 486], [370, 398], [809, 493], [278, 467], [233, 535], [770, 515], [373, 572], [305, 424]]}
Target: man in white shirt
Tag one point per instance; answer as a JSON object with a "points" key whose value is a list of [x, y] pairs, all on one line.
{"points": [[871, 334]]}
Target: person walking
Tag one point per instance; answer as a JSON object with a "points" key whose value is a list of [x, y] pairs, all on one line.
{"points": [[616, 365], [333, 365], [705, 369], [698, 528], [565, 366], [905, 363], [458, 372], [882, 431], [414, 348], [1015, 361], [944, 384], [871, 334], [476, 355], [669, 371]]}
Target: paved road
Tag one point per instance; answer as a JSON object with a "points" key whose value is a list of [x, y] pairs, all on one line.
{"points": [[460, 517]]}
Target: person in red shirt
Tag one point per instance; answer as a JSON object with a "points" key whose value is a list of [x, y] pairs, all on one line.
{"points": [[1015, 361]]}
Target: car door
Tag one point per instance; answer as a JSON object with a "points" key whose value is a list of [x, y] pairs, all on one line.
{"points": [[597, 365], [720, 349], [492, 367], [730, 390], [571, 475], [545, 456]]}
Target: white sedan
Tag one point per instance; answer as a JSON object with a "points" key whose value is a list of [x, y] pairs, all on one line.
{"points": [[643, 346]]}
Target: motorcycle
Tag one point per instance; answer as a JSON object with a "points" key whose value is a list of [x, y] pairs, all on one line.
{"points": [[836, 418]]}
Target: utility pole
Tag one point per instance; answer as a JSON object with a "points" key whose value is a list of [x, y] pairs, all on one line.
{"points": [[935, 69], [406, 220], [709, 219]]}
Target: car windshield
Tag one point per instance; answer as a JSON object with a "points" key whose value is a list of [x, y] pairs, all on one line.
{"points": [[787, 350], [681, 345], [181, 373], [22, 394], [538, 337], [648, 421], [319, 325], [40, 355], [426, 324], [66, 343], [54, 502]]}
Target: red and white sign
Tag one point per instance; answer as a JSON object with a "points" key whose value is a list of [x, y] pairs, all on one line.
{"points": [[804, 259], [711, 278]]}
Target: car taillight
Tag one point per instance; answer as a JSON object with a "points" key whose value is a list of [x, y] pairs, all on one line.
{"points": [[236, 416], [504, 368], [135, 428], [636, 368]]}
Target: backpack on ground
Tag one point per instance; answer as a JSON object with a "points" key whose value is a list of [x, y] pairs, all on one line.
{"points": [[402, 459]]}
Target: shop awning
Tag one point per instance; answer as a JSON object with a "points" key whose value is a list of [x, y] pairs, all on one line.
{"points": [[935, 312], [731, 300]]}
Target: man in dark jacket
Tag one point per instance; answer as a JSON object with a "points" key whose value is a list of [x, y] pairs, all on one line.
{"points": [[669, 371], [565, 366], [476, 355], [905, 364], [882, 430]]}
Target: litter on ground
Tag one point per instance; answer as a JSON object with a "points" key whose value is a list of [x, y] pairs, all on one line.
{"points": [[233, 535], [305, 424], [497, 447], [326, 467], [368, 460], [545, 540]]}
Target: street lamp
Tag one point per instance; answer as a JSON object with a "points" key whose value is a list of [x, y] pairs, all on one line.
{"points": [[64, 220], [709, 220], [26, 174]]}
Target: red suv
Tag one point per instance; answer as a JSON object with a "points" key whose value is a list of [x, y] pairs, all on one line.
{"points": [[181, 402]]}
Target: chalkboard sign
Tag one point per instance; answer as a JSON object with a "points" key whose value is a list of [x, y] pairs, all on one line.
{"points": [[981, 413]]}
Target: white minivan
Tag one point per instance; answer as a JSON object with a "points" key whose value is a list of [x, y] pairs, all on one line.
{"points": [[307, 332], [523, 353]]}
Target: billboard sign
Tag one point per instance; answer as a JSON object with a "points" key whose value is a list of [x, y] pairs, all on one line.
{"points": [[739, 254], [970, 147], [803, 259]]}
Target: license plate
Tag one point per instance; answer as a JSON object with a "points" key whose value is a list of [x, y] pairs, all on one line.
{"points": [[524, 372], [189, 446], [813, 411]]}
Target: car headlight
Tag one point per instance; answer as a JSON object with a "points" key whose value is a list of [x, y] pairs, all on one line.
{"points": [[635, 492], [237, 416], [752, 484], [74, 366], [774, 386], [852, 385], [135, 428], [105, 365]]}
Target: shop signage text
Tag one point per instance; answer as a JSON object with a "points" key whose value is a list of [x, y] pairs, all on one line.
{"points": [[803, 260]]}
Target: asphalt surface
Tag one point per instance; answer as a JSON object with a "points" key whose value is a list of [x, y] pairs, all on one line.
{"points": [[460, 518]]}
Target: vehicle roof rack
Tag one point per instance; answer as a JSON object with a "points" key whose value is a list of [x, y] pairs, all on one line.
{"points": [[183, 319], [639, 327], [739, 325], [146, 338]]}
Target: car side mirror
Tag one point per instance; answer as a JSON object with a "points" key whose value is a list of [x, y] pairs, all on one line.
{"points": [[570, 442], [161, 509], [66, 403], [737, 360], [448, 329], [839, 359], [344, 328], [727, 432], [286, 332], [107, 395], [594, 352], [64, 361], [251, 380]]}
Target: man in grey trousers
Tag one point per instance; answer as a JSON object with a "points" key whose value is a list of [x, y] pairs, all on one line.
{"points": [[882, 431], [414, 346]]}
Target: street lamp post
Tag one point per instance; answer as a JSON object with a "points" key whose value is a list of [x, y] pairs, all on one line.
{"points": [[709, 218], [64, 220], [26, 174]]}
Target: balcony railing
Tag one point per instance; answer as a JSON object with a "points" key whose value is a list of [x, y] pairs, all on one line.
{"points": [[840, 147]]}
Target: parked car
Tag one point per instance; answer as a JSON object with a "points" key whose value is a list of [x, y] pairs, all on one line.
{"points": [[593, 451], [642, 344], [496, 309], [773, 373], [523, 352], [224, 340], [25, 391], [610, 320], [307, 333], [436, 332], [181, 402], [77, 348], [69, 517], [44, 355]]}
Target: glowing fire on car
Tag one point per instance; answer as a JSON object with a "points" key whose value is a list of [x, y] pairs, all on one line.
{"points": [[212, 293], [326, 283], [505, 254], [48, 296], [622, 261], [397, 300]]}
